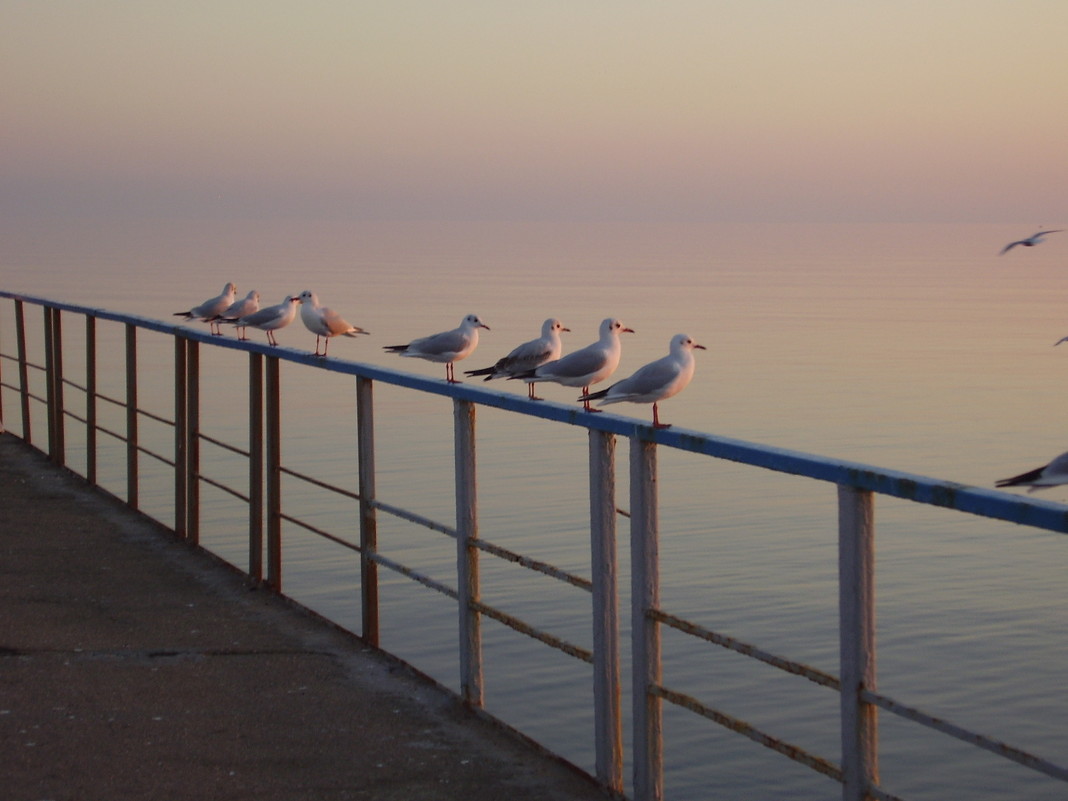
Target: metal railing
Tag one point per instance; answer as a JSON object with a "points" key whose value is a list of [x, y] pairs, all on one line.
{"points": [[857, 484]]}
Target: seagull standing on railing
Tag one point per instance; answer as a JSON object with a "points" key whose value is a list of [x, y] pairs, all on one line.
{"points": [[1031, 241], [527, 356], [1050, 475], [447, 347], [270, 319], [656, 381], [209, 310], [586, 366], [240, 308], [324, 322]]}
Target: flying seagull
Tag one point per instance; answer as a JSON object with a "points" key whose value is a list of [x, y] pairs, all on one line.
{"points": [[1031, 241], [656, 381]]}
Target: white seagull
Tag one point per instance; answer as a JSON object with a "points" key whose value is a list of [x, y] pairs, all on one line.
{"points": [[656, 381], [210, 309], [270, 319], [587, 366], [325, 323], [1031, 241], [240, 308], [447, 347], [527, 356], [1051, 475]]}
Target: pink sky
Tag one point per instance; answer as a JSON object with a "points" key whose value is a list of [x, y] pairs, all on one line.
{"points": [[756, 110]]}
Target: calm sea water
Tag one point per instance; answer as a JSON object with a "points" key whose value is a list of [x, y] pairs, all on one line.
{"points": [[912, 347]]}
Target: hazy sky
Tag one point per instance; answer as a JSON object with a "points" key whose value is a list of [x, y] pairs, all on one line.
{"points": [[687, 109]]}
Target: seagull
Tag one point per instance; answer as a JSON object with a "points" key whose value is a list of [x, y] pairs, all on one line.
{"points": [[527, 356], [210, 309], [1031, 241], [448, 346], [323, 322], [656, 381], [270, 319], [240, 308], [1056, 472], [584, 367]]}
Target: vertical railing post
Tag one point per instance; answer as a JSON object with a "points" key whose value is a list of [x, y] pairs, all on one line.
{"points": [[131, 416], [856, 583], [24, 378], [54, 383], [273, 430], [645, 634], [181, 436], [192, 448], [255, 467], [90, 398], [467, 579], [608, 721], [365, 444]]}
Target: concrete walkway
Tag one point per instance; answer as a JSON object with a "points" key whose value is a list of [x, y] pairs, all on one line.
{"points": [[135, 667]]}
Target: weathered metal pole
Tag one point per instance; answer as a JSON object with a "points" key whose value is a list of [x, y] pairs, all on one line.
{"points": [[255, 467], [273, 428], [192, 448], [856, 582], [90, 398], [645, 632], [365, 446], [181, 437], [608, 719], [467, 580], [24, 378], [131, 416]]}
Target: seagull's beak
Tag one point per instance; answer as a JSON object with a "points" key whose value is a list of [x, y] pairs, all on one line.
{"points": [[702, 347], [626, 330]]}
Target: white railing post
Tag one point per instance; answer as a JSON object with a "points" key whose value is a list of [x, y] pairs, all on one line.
{"points": [[645, 632], [365, 445], [856, 589], [608, 723], [467, 583]]}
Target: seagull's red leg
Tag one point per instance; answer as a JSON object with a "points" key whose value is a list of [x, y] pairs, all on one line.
{"points": [[656, 420]]}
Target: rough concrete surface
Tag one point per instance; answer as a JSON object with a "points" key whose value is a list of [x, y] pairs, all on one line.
{"points": [[133, 666]]}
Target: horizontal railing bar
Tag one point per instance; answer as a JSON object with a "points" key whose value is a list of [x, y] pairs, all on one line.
{"points": [[796, 753], [796, 668], [220, 486], [986, 743], [533, 564], [75, 384], [156, 417], [524, 628], [412, 517], [154, 455], [415, 575], [318, 483], [109, 399], [224, 445], [321, 532], [996, 504]]}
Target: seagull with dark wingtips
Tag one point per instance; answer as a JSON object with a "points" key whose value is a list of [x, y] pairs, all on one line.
{"points": [[447, 347], [527, 356], [586, 366], [209, 310], [656, 381], [1050, 475], [240, 308], [270, 319], [1031, 241]]}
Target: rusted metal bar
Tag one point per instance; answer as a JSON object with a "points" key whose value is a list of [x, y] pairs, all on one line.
{"points": [[645, 631], [365, 447], [59, 422], [467, 580], [131, 416], [50, 380], [255, 467], [273, 500], [181, 438], [607, 681], [856, 604], [90, 398]]}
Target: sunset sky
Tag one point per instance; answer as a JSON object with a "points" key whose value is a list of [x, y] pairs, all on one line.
{"points": [[586, 109]]}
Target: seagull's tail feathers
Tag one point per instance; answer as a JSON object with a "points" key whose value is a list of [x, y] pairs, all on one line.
{"points": [[589, 396], [395, 348], [489, 372], [1023, 479], [356, 331], [525, 375]]}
